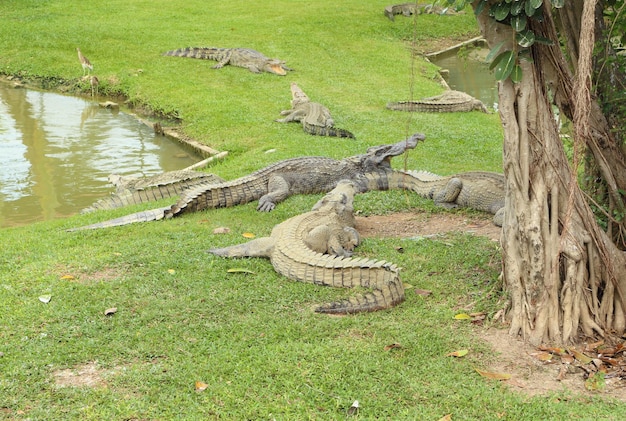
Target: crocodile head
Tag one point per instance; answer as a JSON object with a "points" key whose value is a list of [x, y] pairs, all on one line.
{"points": [[276, 66], [380, 156], [297, 95]]}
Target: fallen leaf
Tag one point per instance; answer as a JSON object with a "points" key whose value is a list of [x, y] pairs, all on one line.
{"points": [[239, 270], [221, 230], [542, 356], [447, 417], [392, 346], [557, 351], [423, 292], [172, 271], [67, 277], [270, 150], [407, 286], [45, 298], [580, 356], [399, 249], [462, 316], [459, 353], [200, 386], [354, 408], [248, 235], [567, 359], [562, 373], [493, 376], [110, 311]]}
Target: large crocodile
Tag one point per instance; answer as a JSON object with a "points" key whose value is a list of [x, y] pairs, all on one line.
{"points": [[316, 246], [148, 189], [408, 9], [449, 101], [315, 117], [480, 190], [278, 181], [250, 59]]}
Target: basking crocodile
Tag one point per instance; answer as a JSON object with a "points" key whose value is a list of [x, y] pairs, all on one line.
{"points": [[147, 189], [408, 9], [449, 101], [275, 183], [240, 57], [316, 246], [480, 190], [315, 117]]}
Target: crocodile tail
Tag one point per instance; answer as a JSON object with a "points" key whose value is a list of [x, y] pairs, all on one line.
{"points": [[326, 131], [387, 291], [204, 53], [143, 216]]}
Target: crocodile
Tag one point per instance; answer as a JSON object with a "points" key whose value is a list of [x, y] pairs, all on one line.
{"points": [[479, 190], [250, 59], [132, 191], [276, 182], [315, 117], [316, 247], [408, 9], [449, 101]]}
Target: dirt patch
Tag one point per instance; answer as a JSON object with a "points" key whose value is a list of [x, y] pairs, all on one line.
{"points": [[86, 375], [412, 224]]}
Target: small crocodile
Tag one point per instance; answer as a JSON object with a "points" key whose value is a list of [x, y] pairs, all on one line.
{"points": [[448, 102], [132, 191], [316, 247], [273, 184], [250, 59], [408, 9], [315, 117]]}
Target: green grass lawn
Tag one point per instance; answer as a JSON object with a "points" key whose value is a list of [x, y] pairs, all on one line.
{"points": [[252, 339]]}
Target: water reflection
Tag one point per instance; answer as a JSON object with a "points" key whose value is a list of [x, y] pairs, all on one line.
{"points": [[56, 153], [470, 75]]}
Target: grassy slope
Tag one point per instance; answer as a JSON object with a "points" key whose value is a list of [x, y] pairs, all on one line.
{"points": [[252, 338]]}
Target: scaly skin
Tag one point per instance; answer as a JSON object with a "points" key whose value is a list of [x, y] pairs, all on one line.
{"points": [[276, 182], [149, 189], [448, 102], [240, 57], [315, 117], [325, 259]]}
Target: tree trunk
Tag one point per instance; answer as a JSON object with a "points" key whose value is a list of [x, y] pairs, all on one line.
{"points": [[563, 274]]}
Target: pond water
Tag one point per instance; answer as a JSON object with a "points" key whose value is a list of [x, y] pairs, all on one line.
{"points": [[469, 73], [57, 151]]}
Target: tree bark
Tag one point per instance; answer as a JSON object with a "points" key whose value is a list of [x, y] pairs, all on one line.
{"points": [[564, 276]]}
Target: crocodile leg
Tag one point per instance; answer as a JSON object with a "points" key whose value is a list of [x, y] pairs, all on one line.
{"points": [[447, 197], [223, 62], [260, 247], [278, 190]]}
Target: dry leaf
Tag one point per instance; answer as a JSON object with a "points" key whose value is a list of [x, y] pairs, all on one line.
{"points": [[542, 356], [239, 270], [580, 356], [567, 359], [446, 418], [423, 292], [459, 353], [200, 386], [248, 235], [493, 376], [172, 271], [392, 346], [110, 311], [221, 230], [67, 277], [407, 286], [45, 298], [462, 316]]}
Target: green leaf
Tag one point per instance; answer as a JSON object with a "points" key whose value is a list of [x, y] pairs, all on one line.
{"points": [[239, 270], [516, 74], [558, 3], [480, 7], [525, 38], [536, 4], [496, 60], [529, 9], [505, 65], [493, 52], [518, 23], [501, 11], [542, 40], [517, 7]]}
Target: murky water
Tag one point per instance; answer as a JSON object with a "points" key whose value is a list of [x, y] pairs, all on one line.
{"points": [[470, 75], [56, 153]]}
